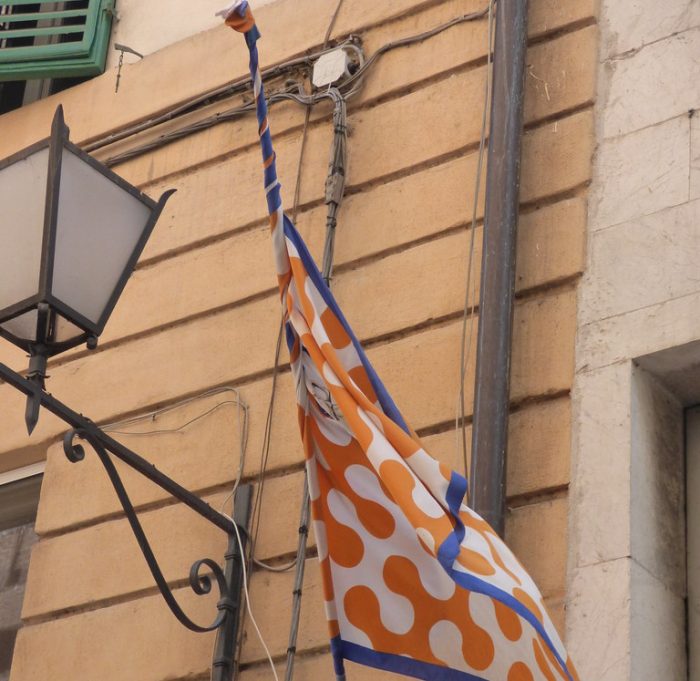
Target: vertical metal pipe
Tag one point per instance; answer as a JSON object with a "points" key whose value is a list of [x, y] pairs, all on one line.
{"points": [[225, 662], [491, 395]]}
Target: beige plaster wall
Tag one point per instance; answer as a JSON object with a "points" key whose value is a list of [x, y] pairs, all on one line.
{"points": [[201, 312], [154, 24], [637, 310]]}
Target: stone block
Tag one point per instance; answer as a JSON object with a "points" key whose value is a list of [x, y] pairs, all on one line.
{"points": [[537, 535], [627, 28], [650, 329], [561, 73], [661, 245], [535, 373], [179, 537], [130, 629], [205, 455], [280, 517], [202, 455], [598, 620], [640, 92], [558, 238], [539, 447], [570, 138], [546, 16], [530, 362], [601, 470], [146, 85], [560, 80], [641, 173]]}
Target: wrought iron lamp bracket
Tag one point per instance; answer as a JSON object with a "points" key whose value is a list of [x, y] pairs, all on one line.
{"points": [[228, 580]]}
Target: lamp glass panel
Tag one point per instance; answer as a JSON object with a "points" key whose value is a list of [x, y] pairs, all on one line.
{"points": [[65, 330], [23, 326], [22, 202], [99, 226]]}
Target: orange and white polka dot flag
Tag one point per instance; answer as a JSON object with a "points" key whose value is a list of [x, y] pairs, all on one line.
{"points": [[414, 581]]}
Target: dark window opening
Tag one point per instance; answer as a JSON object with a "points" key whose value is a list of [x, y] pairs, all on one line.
{"points": [[18, 505]]}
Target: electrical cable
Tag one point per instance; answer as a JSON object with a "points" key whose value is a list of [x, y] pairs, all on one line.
{"points": [[467, 318], [227, 91], [239, 85], [247, 602], [265, 451], [411, 40], [177, 429], [302, 151]]}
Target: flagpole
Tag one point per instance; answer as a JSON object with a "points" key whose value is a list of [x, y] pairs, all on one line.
{"points": [[492, 389]]}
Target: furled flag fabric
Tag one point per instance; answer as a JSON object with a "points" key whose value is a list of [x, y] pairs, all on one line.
{"points": [[415, 582]]}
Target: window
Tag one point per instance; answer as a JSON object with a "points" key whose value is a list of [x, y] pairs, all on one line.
{"points": [[48, 46], [19, 497]]}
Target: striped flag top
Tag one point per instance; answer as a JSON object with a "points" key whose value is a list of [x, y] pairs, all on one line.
{"points": [[414, 581]]}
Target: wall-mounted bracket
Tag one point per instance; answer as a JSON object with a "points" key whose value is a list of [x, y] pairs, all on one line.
{"points": [[203, 572]]}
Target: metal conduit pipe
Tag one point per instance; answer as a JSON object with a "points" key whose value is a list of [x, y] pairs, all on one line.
{"points": [[491, 394]]}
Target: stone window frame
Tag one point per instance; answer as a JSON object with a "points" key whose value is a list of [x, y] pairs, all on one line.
{"points": [[626, 603]]}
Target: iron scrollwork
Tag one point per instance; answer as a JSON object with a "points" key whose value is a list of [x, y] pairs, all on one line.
{"points": [[200, 583]]}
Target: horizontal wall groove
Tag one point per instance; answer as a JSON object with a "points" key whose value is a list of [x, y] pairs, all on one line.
{"points": [[515, 406], [557, 116], [308, 653], [167, 502], [577, 191], [560, 31], [559, 284], [138, 594], [539, 496]]}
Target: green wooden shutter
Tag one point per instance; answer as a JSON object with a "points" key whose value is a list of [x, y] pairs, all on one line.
{"points": [[53, 43]]}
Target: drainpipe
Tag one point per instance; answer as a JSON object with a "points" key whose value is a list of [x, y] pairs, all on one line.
{"points": [[491, 394]]}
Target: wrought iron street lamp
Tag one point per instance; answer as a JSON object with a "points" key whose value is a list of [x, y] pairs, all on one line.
{"points": [[71, 232]]}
